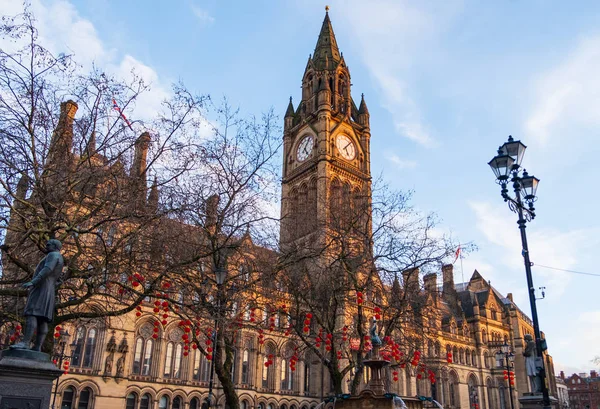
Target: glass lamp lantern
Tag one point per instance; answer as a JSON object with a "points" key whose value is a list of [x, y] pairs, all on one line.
{"points": [[514, 149]]}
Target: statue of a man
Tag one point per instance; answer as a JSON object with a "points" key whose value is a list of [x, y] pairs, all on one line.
{"points": [[39, 309], [531, 364]]}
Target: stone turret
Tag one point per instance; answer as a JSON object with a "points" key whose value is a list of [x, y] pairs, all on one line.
{"points": [[363, 112], [289, 116]]}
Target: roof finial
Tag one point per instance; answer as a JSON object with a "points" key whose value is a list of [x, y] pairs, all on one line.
{"points": [[326, 9]]}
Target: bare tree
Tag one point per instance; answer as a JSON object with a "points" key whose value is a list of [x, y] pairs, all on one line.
{"points": [[349, 275], [73, 168]]}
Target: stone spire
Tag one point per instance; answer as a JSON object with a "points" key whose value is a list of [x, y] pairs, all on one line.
{"points": [[90, 148], [327, 54], [363, 105], [290, 109]]}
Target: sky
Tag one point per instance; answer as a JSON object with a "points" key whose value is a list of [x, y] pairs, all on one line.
{"points": [[445, 83]]}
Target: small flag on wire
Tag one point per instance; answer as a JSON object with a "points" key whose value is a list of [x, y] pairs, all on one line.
{"points": [[116, 107], [456, 254]]}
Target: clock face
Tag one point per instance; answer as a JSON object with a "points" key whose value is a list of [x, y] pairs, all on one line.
{"points": [[345, 147], [305, 148]]}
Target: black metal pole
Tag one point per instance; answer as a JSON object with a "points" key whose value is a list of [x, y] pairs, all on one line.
{"points": [[60, 359], [534, 316], [510, 390], [212, 365]]}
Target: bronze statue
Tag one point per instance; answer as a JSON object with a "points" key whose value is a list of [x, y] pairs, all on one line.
{"points": [[39, 309], [375, 340], [532, 364]]}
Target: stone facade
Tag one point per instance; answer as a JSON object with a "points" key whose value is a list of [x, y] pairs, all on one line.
{"points": [[117, 364]]}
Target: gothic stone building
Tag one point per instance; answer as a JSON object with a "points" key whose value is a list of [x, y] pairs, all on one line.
{"points": [[117, 364]]}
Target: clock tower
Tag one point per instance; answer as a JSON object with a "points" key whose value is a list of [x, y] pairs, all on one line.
{"points": [[326, 156]]}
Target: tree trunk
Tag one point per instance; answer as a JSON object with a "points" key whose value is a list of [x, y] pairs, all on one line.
{"points": [[223, 370]]}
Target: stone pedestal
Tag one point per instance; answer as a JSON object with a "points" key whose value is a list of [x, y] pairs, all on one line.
{"points": [[26, 379], [368, 400], [531, 401]]}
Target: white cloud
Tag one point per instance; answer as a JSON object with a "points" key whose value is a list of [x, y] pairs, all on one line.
{"points": [[401, 163], [62, 30], [567, 95], [390, 35], [547, 246], [202, 14]]}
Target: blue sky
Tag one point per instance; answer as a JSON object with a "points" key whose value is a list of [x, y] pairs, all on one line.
{"points": [[445, 82]]}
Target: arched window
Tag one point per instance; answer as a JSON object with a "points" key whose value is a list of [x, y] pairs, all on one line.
{"points": [[490, 394], [245, 367], [307, 377], [244, 404], [473, 358], [262, 405], [268, 370], [144, 345], [287, 375], [486, 359], [502, 396], [468, 357], [145, 401], [484, 336], [473, 392], [194, 403], [201, 367], [453, 390], [174, 355], [85, 399], [68, 396], [163, 402], [131, 401], [177, 403], [85, 347]]}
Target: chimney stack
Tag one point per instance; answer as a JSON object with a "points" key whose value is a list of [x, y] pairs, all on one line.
{"points": [[448, 277], [430, 281], [593, 374], [211, 209], [411, 280]]}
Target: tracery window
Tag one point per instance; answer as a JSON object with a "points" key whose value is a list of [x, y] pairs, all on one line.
{"points": [[85, 347], [201, 367], [245, 366], [144, 345], [287, 375], [174, 355]]}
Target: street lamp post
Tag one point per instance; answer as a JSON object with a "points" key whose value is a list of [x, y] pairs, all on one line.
{"points": [[220, 275], [506, 358], [60, 357], [506, 165]]}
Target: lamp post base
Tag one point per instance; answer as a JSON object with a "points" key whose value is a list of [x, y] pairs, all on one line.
{"points": [[26, 379], [536, 401]]}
